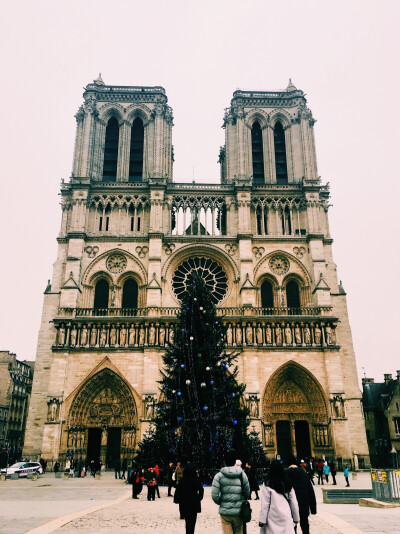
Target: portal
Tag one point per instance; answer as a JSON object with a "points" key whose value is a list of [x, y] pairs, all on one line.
{"points": [[283, 439], [113, 446], [94, 444], [302, 437]]}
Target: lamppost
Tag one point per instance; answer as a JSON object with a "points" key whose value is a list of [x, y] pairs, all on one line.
{"points": [[393, 452]]}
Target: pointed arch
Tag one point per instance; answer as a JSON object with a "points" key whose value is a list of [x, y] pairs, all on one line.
{"points": [[257, 153], [280, 154], [136, 156], [110, 162]]}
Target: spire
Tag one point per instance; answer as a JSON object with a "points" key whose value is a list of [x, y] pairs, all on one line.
{"points": [[99, 80], [291, 87]]}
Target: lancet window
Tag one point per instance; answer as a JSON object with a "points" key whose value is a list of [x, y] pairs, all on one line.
{"points": [[280, 154], [257, 153], [136, 151], [198, 216], [101, 294], [267, 295], [292, 294], [130, 294], [120, 214], [285, 221], [111, 151]]}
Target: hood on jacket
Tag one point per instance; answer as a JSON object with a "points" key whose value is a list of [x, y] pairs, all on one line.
{"points": [[295, 473], [232, 472]]}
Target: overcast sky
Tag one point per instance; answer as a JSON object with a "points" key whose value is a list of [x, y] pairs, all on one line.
{"points": [[343, 54]]}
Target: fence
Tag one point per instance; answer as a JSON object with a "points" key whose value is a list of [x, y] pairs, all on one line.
{"points": [[386, 484]]}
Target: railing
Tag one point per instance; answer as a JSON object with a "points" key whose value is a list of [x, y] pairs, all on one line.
{"points": [[231, 311]]}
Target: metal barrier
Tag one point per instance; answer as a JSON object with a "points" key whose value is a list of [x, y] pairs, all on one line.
{"points": [[386, 484]]}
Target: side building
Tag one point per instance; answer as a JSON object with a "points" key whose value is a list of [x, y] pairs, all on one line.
{"points": [[129, 238], [381, 402], [16, 378]]}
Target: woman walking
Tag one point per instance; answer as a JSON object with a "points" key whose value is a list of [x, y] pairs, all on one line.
{"points": [[279, 511], [188, 495], [251, 475]]}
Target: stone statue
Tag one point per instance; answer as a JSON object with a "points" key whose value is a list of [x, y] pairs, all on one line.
{"points": [[249, 334], [149, 407], [253, 407], [122, 336], [93, 335], [297, 335], [142, 335], [152, 334], [338, 406], [61, 336], [53, 410], [103, 336], [171, 335], [307, 335], [131, 340], [330, 336], [161, 336], [72, 340], [113, 335], [259, 335], [268, 335], [229, 336], [238, 334], [288, 334], [84, 335], [317, 335], [278, 334]]}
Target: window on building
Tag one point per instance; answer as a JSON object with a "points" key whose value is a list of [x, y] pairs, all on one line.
{"points": [[286, 221], [130, 294], [136, 153], [267, 295], [280, 154], [292, 294], [257, 153], [262, 220], [101, 294], [111, 151], [396, 421]]}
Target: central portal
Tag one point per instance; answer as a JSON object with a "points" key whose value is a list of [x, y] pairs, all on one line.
{"points": [[113, 446], [302, 436]]}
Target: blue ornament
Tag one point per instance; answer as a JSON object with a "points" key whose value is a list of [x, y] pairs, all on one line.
{"points": [[179, 393], [188, 308], [179, 419], [171, 432], [182, 366], [205, 408], [226, 366], [233, 395], [234, 422], [211, 382]]}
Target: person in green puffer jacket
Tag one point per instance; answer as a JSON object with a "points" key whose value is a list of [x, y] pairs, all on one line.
{"points": [[227, 493]]}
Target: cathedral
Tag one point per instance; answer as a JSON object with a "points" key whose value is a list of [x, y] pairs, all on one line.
{"points": [[129, 238]]}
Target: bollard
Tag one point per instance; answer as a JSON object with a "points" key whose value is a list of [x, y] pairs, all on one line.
{"points": [[14, 476], [35, 476], [66, 475], [354, 476], [2, 476], [58, 474], [98, 476]]}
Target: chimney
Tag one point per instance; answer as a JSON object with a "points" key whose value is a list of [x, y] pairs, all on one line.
{"points": [[368, 381], [388, 378]]}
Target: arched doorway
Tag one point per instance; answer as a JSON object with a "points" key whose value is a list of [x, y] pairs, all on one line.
{"points": [[102, 420], [295, 414]]}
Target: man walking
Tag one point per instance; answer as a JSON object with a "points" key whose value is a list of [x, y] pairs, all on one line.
{"points": [[304, 493], [227, 493]]}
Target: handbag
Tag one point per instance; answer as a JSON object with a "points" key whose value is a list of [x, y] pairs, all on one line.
{"points": [[245, 509]]}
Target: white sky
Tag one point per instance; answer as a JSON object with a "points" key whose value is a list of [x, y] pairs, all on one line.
{"points": [[343, 54]]}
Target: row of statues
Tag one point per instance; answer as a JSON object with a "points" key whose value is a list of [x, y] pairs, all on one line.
{"points": [[135, 334], [320, 435]]}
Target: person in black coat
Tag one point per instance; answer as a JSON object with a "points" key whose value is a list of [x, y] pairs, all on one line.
{"points": [[188, 495], [304, 493], [251, 475]]}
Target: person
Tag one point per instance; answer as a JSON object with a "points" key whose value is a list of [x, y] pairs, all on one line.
{"points": [[332, 467], [136, 479], [251, 476], [279, 512], [188, 495], [92, 468], [227, 492], [320, 471], [310, 470], [170, 480], [178, 475], [157, 472], [326, 471], [71, 469], [346, 476], [304, 492], [117, 468], [124, 467], [151, 481], [57, 466]]}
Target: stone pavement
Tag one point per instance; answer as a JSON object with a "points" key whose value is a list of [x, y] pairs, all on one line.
{"points": [[27, 504]]}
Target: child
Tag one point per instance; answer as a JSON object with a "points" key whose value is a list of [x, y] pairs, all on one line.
{"points": [[346, 475]]}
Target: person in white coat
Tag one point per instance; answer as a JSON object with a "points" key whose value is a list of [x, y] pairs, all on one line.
{"points": [[279, 513]]}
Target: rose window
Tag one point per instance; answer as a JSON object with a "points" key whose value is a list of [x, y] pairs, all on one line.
{"points": [[212, 274]]}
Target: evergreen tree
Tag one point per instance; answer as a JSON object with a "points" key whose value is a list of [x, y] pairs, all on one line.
{"points": [[200, 415]]}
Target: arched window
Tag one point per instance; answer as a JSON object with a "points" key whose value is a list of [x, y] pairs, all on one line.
{"points": [[257, 153], [136, 154], [267, 295], [262, 220], [130, 294], [111, 151], [280, 154], [286, 221], [292, 294], [101, 294]]}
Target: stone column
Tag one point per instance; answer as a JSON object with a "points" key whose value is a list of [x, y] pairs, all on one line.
{"points": [[124, 151]]}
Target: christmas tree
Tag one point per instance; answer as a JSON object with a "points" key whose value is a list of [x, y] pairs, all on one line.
{"points": [[201, 414]]}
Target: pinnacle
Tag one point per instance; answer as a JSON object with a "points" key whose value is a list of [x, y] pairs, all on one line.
{"points": [[291, 87], [99, 80]]}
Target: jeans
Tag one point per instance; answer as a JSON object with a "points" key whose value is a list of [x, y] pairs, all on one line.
{"points": [[190, 522]]}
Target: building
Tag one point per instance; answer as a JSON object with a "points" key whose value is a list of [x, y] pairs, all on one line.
{"points": [[381, 402], [129, 237], [15, 389]]}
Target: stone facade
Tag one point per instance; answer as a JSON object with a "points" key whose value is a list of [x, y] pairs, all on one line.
{"points": [[128, 239], [15, 390]]}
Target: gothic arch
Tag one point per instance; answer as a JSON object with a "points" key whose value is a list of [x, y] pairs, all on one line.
{"points": [[293, 392], [257, 115], [296, 268], [112, 110], [281, 116], [138, 110], [92, 268]]}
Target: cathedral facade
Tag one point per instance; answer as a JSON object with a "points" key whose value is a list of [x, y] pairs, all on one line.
{"points": [[129, 238]]}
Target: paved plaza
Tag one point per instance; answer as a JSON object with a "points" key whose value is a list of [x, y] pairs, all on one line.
{"points": [[105, 506]]}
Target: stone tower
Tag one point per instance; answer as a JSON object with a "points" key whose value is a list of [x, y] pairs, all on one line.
{"points": [[130, 236]]}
